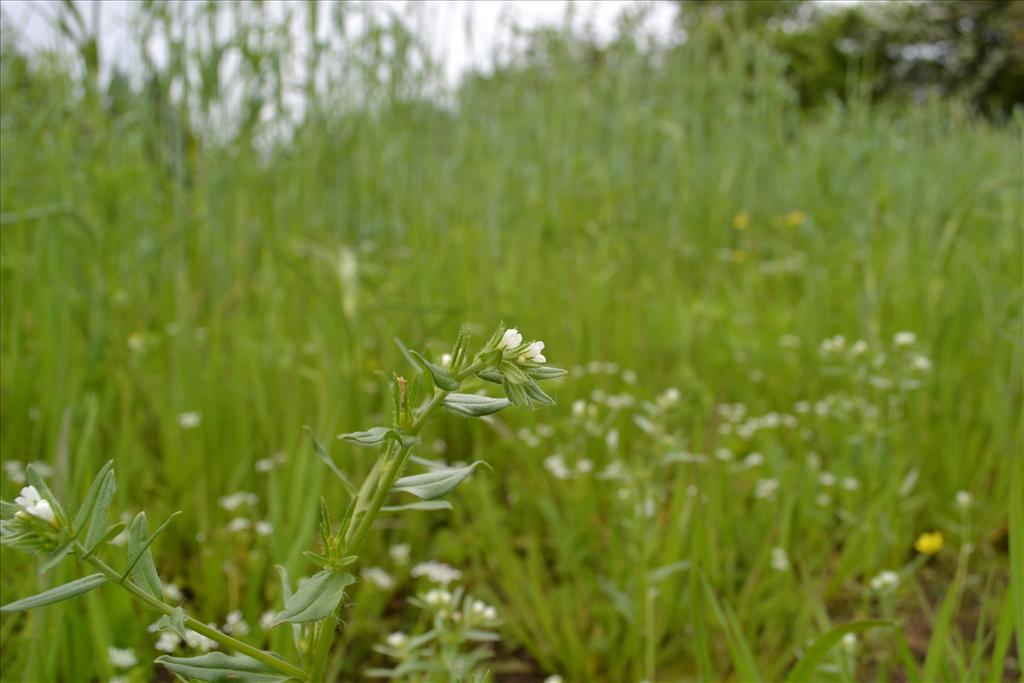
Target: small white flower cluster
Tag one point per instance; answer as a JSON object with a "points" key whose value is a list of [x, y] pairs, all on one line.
{"points": [[172, 592], [478, 610], [189, 420], [397, 640], [532, 353], [236, 500], [399, 554], [170, 641], [122, 658], [780, 560], [766, 489], [904, 339], [235, 624], [438, 572], [833, 345], [268, 464], [964, 500], [267, 619], [379, 578], [15, 470], [884, 580], [33, 504], [437, 597]]}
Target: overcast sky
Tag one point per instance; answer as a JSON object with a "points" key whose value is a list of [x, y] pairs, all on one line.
{"points": [[442, 22]]}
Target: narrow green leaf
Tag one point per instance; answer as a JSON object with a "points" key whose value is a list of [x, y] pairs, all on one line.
{"points": [[537, 394], [517, 395], [808, 664], [941, 627], [473, 405], [321, 451], [545, 372], [219, 667], [375, 436], [98, 518], [419, 505], [431, 485], [1016, 524], [442, 377], [492, 376], [85, 511], [62, 592], [140, 562], [512, 373], [742, 657], [111, 533], [316, 598]]}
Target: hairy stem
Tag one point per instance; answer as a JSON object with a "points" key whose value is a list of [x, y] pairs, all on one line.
{"points": [[194, 624]]}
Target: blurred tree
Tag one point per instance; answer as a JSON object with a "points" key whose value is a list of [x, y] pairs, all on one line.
{"points": [[967, 48]]}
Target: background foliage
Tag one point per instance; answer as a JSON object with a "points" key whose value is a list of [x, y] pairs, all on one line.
{"points": [[188, 239]]}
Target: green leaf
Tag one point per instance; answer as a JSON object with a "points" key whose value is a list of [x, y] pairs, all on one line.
{"points": [[473, 405], [513, 373], [742, 657], [219, 667], [517, 395], [316, 598], [537, 394], [140, 562], [98, 518], [419, 505], [62, 592], [175, 621], [442, 377], [112, 532], [375, 436], [431, 485], [804, 670], [492, 376], [543, 373], [321, 451], [89, 504]]}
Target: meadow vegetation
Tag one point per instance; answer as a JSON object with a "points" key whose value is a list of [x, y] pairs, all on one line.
{"points": [[794, 340]]}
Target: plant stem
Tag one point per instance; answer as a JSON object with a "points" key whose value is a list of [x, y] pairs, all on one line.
{"points": [[194, 624], [389, 472]]}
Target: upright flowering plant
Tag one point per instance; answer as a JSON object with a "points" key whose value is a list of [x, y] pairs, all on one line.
{"points": [[36, 522]]}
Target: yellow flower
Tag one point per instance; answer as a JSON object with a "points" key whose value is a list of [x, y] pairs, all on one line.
{"points": [[741, 220], [795, 218], [929, 543]]}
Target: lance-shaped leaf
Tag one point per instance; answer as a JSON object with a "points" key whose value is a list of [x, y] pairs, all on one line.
{"points": [[474, 405], [805, 668], [217, 666], [492, 376], [111, 534], [517, 395], [545, 372], [140, 558], [85, 512], [62, 592], [98, 518], [442, 376], [316, 598], [420, 505], [375, 436], [431, 485], [321, 450]]}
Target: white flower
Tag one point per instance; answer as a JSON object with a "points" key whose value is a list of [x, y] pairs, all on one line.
{"points": [[554, 678], [584, 466], [15, 470], [172, 592], [237, 500], [484, 611], [850, 483], [823, 499], [534, 353], [119, 679], [263, 528], [35, 505], [235, 624], [378, 577], [964, 500], [765, 489], [827, 479], [753, 460], [168, 642], [611, 439], [267, 619], [904, 339], [198, 641], [446, 360], [629, 377], [511, 339], [437, 598], [399, 553], [189, 420], [921, 363], [780, 560], [555, 464], [884, 580], [238, 524], [859, 347], [723, 454], [849, 642], [438, 572], [122, 658], [397, 640]]}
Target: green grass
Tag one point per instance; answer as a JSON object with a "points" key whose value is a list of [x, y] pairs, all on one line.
{"points": [[147, 271]]}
